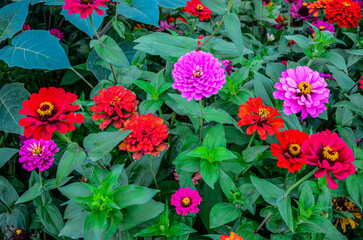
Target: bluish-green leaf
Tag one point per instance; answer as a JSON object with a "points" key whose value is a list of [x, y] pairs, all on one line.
{"points": [[269, 191], [209, 172], [6, 154], [30, 194], [223, 213], [233, 25], [145, 11], [284, 206], [217, 6], [172, 3]]}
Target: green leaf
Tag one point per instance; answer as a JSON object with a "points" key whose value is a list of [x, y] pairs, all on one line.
{"points": [[307, 196], [165, 218], [191, 107], [146, 86], [209, 172], [264, 87], [119, 27], [51, 218], [35, 49], [254, 151], [145, 11], [12, 18], [8, 194], [227, 185], [353, 188], [30, 194], [318, 224], [100, 144], [216, 6], [336, 59], [201, 152], [126, 196], [233, 25], [150, 106], [99, 223], [11, 98], [215, 137], [219, 116], [223, 213], [343, 80], [74, 226], [78, 189], [173, 4], [284, 206], [111, 52], [150, 231], [269, 192], [221, 154], [178, 229], [69, 161], [110, 181], [18, 217], [6, 154]]}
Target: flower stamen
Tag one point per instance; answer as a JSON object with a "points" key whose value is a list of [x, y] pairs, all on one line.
{"points": [[305, 87], [330, 155], [263, 113], [45, 109], [200, 8], [294, 149], [86, 1], [186, 202], [37, 151]]}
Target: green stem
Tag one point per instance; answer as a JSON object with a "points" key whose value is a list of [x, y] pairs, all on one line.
{"points": [[161, 114], [349, 120], [286, 178], [300, 181], [193, 26], [130, 156], [153, 172], [5, 206], [81, 77], [289, 23], [94, 29], [41, 185], [262, 223], [169, 137], [201, 120], [249, 144], [309, 63], [353, 87]]}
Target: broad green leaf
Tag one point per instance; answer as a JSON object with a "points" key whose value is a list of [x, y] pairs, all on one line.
{"points": [[336, 59], [233, 25], [223, 213], [284, 206], [145, 11], [18, 217], [35, 49], [216, 6], [219, 116], [215, 137], [51, 218], [307, 196], [119, 27], [264, 87], [343, 80], [291, 122], [126, 196], [6, 154], [8, 193], [254, 151], [172, 3], [30, 194], [11, 97], [227, 185], [12, 18], [221, 154], [110, 181], [318, 224], [150, 106], [146, 86], [178, 229], [269, 191], [150, 231], [78, 189], [99, 223], [99, 144], [209, 172], [353, 188], [342, 116], [191, 107], [74, 226]]}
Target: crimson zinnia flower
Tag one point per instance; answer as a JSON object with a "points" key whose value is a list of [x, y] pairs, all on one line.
{"points": [[147, 136], [197, 9], [289, 153], [331, 154], [345, 12], [115, 104], [48, 111], [361, 83], [84, 7], [261, 117], [234, 236]]}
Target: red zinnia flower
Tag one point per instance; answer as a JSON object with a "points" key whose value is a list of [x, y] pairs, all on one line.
{"points": [[289, 153], [284, 62], [48, 111], [196, 8], [84, 7], [290, 43], [234, 236], [261, 117], [331, 154], [345, 12], [147, 136], [361, 83], [115, 104]]}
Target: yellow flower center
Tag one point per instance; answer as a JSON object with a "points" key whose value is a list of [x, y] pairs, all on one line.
{"points": [[263, 113], [18, 232], [37, 151], [330, 155], [305, 4], [294, 149], [321, 27], [86, 1], [346, 4], [186, 202], [197, 73], [45, 109], [200, 7], [115, 101], [305, 87]]}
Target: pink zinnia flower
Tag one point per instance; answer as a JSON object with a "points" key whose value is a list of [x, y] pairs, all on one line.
{"points": [[302, 90], [25, 28], [327, 75], [57, 33], [331, 154], [186, 201], [198, 74], [196, 177], [164, 26], [37, 154], [321, 25], [84, 7], [229, 67]]}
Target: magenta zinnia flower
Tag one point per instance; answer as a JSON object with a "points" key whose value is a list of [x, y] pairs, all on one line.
{"points": [[84, 7], [302, 90], [186, 201], [323, 26], [327, 75], [37, 154], [300, 11], [57, 33], [198, 74], [164, 26], [331, 154], [229, 67], [24, 28]]}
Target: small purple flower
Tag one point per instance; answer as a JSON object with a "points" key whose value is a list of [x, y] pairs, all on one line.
{"points": [[164, 26], [57, 33], [270, 37], [37, 154], [229, 67], [302, 90], [198, 74], [328, 76], [300, 10], [360, 2], [323, 26]]}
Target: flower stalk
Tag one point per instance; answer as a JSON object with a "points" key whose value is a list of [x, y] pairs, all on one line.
{"points": [[153, 172], [41, 186], [300, 181], [201, 120]]}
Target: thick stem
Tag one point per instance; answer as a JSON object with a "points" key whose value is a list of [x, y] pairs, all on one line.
{"points": [[41, 185], [300, 181], [262, 223], [201, 120], [153, 172], [81, 77], [5, 206]]}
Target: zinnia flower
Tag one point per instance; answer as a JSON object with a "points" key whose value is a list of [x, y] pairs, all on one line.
{"points": [[186, 200], [37, 154], [361, 83], [345, 13], [327, 75], [115, 104], [17, 234], [197, 9], [267, 3], [261, 117], [344, 205], [314, 7], [24, 28], [289, 153], [57, 33], [84, 7], [48, 111], [229, 67], [284, 62], [201, 37], [234, 236], [198, 74], [280, 22], [330, 154], [302, 90], [196, 177], [148, 133], [321, 25], [164, 26], [300, 11]]}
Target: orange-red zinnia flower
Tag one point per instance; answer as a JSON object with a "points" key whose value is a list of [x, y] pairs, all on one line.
{"points": [[148, 133], [261, 117], [289, 153], [115, 104], [234, 236], [345, 13], [197, 9], [48, 111]]}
